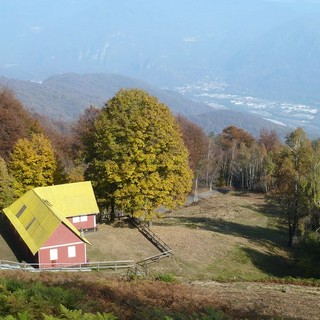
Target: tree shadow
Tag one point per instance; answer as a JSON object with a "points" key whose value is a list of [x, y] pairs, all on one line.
{"points": [[256, 234], [267, 209], [273, 265], [224, 190]]}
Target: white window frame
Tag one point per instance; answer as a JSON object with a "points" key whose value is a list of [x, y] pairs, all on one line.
{"points": [[84, 218], [76, 219], [72, 253], [53, 254]]}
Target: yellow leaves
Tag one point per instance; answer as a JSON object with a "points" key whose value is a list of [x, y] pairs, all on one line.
{"points": [[143, 158], [32, 163]]}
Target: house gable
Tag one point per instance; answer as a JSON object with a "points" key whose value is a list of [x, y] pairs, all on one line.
{"points": [[62, 248]]}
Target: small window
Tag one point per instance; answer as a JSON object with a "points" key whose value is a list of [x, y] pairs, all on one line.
{"points": [[53, 254], [71, 252], [21, 211], [83, 218], [30, 223], [76, 219]]}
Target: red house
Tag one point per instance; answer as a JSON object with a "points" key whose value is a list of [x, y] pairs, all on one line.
{"points": [[50, 223]]}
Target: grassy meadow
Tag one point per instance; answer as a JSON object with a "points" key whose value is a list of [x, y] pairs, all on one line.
{"points": [[232, 236]]}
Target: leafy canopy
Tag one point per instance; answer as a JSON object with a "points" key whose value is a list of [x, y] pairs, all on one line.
{"points": [[138, 162], [15, 123], [292, 180], [32, 163]]}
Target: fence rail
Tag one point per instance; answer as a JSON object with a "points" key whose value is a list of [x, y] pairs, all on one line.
{"points": [[165, 251], [151, 236], [89, 266], [155, 258]]}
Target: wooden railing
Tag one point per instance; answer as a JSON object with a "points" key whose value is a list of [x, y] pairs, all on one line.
{"points": [[89, 266], [165, 251], [11, 265], [155, 258], [151, 236]]}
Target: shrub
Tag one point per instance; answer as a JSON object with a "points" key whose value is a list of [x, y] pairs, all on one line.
{"points": [[80, 315], [308, 255]]}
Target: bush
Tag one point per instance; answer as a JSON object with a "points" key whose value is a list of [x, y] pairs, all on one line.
{"points": [[308, 255]]}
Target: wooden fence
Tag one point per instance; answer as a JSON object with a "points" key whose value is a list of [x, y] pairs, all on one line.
{"points": [[131, 265], [89, 266]]}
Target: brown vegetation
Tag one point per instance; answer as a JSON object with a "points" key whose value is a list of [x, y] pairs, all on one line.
{"points": [[137, 299]]}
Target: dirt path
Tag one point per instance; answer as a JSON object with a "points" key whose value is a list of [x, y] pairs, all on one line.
{"points": [[263, 301]]}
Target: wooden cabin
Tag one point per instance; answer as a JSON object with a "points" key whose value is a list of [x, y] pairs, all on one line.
{"points": [[50, 223]]}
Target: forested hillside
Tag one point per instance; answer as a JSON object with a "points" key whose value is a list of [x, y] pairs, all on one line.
{"points": [[64, 97]]}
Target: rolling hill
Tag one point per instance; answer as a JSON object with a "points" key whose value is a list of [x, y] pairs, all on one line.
{"points": [[64, 97]]}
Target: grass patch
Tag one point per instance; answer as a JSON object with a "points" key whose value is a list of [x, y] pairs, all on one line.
{"points": [[236, 265], [166, 277]]}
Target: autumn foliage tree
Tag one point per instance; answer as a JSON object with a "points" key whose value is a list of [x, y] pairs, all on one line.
{"points": [[292, 184], [197, 143], [139, 161], [15, 123], [235, 144], [32, 163], [83, 138], [6, 185]]}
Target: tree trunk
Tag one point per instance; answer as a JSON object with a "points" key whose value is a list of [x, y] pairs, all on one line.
{"points": [[113, 211], [292, 231], [195, 194]]}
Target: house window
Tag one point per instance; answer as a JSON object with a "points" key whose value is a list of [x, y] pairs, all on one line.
{"points": [[71, 252], [83, 218], [53, 254], [21, 211], [76, 219], [30, 223]]}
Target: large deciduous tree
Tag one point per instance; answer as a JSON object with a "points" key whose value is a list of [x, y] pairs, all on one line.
{"points": [[32, 163], [139, 162], [291, 180]]}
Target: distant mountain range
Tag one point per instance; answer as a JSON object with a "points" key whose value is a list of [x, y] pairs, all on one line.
{"points": [[65, 96], [268, 49], [259, 58]]}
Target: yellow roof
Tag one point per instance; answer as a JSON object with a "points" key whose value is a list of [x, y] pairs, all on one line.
{"points": [[38, 213], [72, 199]]}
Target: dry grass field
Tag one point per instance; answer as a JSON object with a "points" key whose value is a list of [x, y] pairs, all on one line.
{"points": [[226, 237], [230, 249]]}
